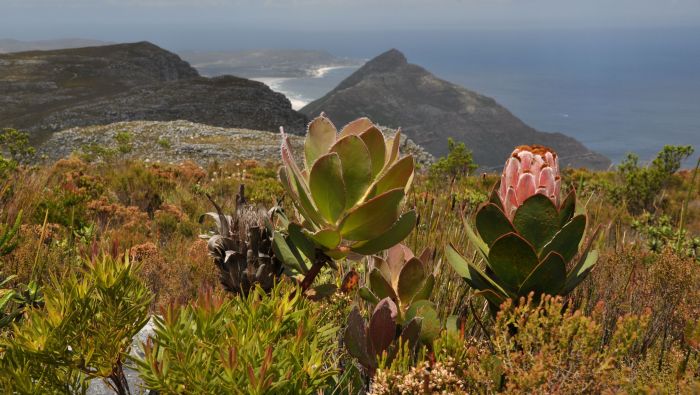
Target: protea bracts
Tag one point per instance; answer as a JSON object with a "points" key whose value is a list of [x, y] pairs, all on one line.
{"points": [[529, 170], [242, 247], [350, 188], [526, 236]]}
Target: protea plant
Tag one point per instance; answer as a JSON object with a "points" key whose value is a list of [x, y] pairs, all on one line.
{"points": [[527, 236], [242, 247], [406, 280], [350, 187]]}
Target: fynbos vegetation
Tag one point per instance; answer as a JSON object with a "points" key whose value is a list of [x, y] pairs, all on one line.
{"points": [[537, 281]]}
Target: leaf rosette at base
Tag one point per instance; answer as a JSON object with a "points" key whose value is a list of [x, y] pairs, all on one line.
{"points": [[350, 187], [530, 240]]}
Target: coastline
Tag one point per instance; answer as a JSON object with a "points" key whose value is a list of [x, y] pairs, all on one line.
{"points": [[298, 99]]}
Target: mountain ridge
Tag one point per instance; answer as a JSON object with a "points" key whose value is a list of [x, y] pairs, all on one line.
{"points": [[47, 91], [393, 92]]}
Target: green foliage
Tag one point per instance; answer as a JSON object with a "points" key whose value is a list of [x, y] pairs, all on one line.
{"points": [[140, 186], [83, 332], [458, 162], [531, 253], [350, 189], [8, 236], [164, 143], [279, 343], [533, 348], [14, 149], [95, 152], [124, 140], [641, 185], [660, 232]]}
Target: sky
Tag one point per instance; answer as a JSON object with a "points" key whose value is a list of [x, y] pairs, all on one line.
{"points": [[114, 20]]}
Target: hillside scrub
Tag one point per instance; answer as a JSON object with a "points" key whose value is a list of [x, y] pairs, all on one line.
{"points": [[357, 303]]}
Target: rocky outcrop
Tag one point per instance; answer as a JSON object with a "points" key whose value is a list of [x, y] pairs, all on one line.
{"points": [[176, 141], [393, 92], [47, 91]]}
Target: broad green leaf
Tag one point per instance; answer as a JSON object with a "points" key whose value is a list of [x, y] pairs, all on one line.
{"points": [[392, 149], [384, 268], [584, 265], [430, 322], [372, 218], [547, 278], [397, 176], [357, 167], [369, 296], [495, 299], [319, 139], [327, 187], [478, 243], [410, 279], [283, 252], [471, 274], [492, 223], [355, 127], [567, 240], [310, 209], [301, 242], [326, 238], [380, 286], [512, 259], [567, 208], [398, 231], [580, 272], [537, 220], [425, 290], [298, 182], [374, 140]]}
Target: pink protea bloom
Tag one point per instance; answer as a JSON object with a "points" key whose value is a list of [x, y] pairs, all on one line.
{"points": [[529, 170]]}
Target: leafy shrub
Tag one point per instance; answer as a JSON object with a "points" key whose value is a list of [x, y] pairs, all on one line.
{"points": [[124, 141], [458, 162], [259, 344], [533, 348], [641, 185], [14, 149], [83, 332], [140, 186]]}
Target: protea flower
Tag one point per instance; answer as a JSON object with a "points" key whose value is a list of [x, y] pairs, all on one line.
{"points": [[525, 235], [530, 169]]}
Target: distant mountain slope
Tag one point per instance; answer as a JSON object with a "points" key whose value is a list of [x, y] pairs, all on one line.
{"points": [[393, 92], [11, 45], [46, 91]]}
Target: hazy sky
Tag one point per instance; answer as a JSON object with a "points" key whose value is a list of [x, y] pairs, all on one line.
{"points": [[105, 19]]}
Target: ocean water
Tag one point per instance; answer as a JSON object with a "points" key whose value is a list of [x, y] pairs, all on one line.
{"points": [[615, 90]]}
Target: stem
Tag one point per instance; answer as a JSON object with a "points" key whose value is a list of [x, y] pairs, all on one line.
{"points": [[319, 262], [119, 383], [483, 328]]}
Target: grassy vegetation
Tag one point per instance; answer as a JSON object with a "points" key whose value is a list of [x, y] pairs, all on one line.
{"points": [[99, 245]]}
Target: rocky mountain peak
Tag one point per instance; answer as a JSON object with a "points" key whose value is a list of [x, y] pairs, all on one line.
{"points": [[395, 93]]}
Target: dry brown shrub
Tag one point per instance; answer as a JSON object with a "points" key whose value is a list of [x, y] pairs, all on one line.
{"points": [[633, 281], [115, 214]]}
